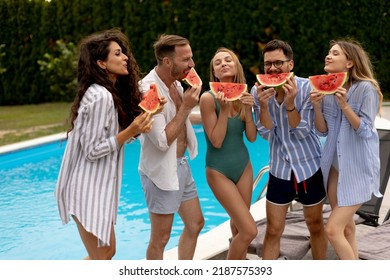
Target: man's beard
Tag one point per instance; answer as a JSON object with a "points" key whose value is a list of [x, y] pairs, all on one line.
{"points": [[175, 73]]}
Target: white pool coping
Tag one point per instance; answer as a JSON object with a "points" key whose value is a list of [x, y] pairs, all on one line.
{"points": [[32, 143]]}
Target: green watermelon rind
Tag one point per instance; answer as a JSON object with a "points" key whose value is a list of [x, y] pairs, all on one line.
{"points": [[215, 88], [317, 87], [188, 81], [261, 80], [143, 104]]}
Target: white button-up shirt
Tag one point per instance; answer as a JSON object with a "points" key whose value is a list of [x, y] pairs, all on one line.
{"points": [[157, 159]]}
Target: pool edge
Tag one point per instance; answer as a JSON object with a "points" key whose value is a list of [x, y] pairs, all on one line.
{"points": [[32, 143]]}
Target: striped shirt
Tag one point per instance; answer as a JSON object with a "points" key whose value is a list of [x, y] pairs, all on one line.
{"points": [[297, 149], [357, 150], [90, 177]]}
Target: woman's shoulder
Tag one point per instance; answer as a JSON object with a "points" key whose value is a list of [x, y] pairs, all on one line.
{"points": [[365, 84], [207, 100], [97, 93], [365, 87], [207, 95]]}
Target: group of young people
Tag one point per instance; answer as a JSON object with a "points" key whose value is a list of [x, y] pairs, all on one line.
{"points": [[105, 115]]}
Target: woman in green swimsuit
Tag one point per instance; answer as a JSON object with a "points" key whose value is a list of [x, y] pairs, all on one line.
{"points": [[229, 171]]}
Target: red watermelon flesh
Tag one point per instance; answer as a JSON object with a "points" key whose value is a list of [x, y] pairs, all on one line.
{"points": [[273, 80], [231, 91], [192, 79], [328, 83], [150, 101]]}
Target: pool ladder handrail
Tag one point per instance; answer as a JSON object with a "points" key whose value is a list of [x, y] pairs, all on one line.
{"points": [[257, 179]]}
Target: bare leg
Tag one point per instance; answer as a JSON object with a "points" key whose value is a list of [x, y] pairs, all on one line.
{"points": [[192, 217], [90, 242], [336, 228], [161, 226], [276, 218], [236, 205], [245, 188], [315, 224], [340, 229], [350, 234]]}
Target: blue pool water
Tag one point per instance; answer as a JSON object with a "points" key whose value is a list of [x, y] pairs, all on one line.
{"points": [[30, 225]]}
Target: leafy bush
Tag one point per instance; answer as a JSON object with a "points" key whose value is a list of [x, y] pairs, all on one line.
{"points": [[59, 70]]}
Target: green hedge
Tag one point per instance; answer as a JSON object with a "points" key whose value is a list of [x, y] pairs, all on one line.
{"points": [[31, 30]]}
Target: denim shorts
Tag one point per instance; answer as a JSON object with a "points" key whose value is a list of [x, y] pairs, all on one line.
{"points": [[168, 202]]}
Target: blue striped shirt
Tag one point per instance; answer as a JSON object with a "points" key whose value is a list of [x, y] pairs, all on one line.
{"points": [[357, 150], [291, 149]]}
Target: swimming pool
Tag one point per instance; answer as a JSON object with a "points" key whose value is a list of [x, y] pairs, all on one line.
{"points": [[30, 225]]}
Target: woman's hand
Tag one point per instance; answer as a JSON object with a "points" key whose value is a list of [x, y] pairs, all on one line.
{"points": [[341, 97], [141, 124], [316, 99], [225, 105], [247, 100]]}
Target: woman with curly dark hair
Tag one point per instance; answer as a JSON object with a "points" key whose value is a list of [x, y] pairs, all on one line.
{"points": [[105, 115]]}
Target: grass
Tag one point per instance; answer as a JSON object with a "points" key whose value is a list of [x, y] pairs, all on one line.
{"points": [[25, 122]]}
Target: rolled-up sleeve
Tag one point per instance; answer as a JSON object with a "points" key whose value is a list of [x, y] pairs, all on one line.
{"points": [[158, 135], [367, 111]]}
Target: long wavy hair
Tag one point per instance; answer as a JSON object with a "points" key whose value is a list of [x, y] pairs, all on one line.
{"points": [[125, 92], [238, 78], [362, 69]]}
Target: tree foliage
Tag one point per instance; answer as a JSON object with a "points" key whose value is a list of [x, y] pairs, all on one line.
{"points": [[60, 69], [31, 30]]}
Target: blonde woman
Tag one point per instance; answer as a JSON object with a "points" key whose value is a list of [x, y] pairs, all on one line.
{"points": [[229, 171], [350, 158]]}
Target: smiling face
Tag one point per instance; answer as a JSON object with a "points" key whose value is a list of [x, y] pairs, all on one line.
{"points": [[116, 63], [336, 61], [276, 62], [224, 67]]}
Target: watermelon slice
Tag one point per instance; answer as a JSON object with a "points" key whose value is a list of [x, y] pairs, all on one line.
{"points": [[151, 101], [231, 91], [328, 83], [273, 80], [192, 79]]}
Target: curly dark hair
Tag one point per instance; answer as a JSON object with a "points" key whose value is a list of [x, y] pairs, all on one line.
{"points": [[125, 92]]}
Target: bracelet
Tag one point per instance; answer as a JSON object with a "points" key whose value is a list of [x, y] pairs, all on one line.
{"points": [[290, 110]]}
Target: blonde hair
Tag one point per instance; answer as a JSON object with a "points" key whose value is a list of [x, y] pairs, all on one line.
{"points": [[362, 69], [238, 78]]}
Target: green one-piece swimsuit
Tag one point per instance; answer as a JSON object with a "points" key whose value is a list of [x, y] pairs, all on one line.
{"points": [[232, 158]]}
